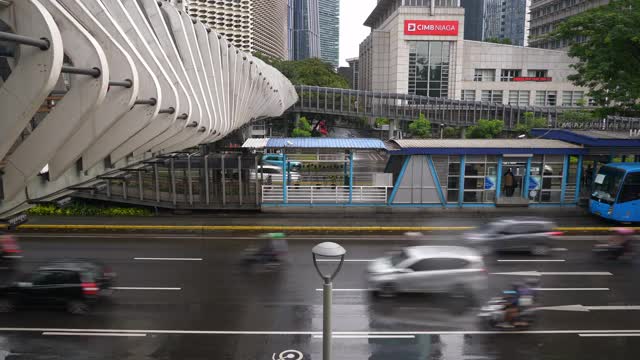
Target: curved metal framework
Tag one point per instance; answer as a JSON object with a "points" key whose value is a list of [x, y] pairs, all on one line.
{"points": [[101, 84]]}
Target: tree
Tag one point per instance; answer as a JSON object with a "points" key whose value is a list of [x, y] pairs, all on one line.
{"points": [[312, 72], [608, 60], [485, 129], [505, 41], [381, 121], [577, 117], [529, 122], [302, 129], [451, 133], [420, 128]]}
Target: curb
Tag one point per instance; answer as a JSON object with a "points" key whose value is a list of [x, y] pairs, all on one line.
{"points": [[272, 228]]}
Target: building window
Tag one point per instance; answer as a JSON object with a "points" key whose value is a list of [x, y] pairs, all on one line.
{"points": [[546, 98], [469, 95], [519, 97], [509, 74], [429, 68], [538, 73], [453, 179], [494, 96], [485, 75], [572, 98], [545, 182]]}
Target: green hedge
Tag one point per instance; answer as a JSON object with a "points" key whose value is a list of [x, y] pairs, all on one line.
{"points": [[80, 209]]}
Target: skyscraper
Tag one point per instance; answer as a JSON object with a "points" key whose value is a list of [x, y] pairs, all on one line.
{"points": [[329, 19], [497, 19], [231, 18], [270, 33], [473, 19], [546, 13], [250, 25], [305, 34]]}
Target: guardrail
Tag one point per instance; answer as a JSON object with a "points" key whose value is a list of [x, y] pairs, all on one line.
{"points": [[326, 194]]}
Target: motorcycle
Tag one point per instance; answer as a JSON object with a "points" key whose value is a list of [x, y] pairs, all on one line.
{"points": [[259, 257], [612, 252], [494, 313]]}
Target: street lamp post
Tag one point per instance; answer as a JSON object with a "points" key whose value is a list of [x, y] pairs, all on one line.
{"points": [[332, 251]]}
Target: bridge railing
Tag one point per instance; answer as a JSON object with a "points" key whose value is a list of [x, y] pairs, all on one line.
{"points": [[356, 103]]}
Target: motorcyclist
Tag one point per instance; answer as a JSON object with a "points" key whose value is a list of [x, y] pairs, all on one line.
{"points": [[511, 310], [9, 248], [275, 250], [620, 242]]}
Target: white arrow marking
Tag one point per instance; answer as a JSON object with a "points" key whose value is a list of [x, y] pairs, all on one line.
{"points": [[582, 308], [346, 260], [571, 289], [537, 273], [529, 260]]}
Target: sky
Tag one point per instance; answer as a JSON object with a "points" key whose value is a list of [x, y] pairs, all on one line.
{"points": [[353, 13]]}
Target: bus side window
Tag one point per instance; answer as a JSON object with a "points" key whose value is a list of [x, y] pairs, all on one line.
{"points": [[630, 188]]}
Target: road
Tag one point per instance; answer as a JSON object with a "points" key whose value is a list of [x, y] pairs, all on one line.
{"points": [[185, 297]]}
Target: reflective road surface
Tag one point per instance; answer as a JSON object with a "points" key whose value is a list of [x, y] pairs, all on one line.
{"points": [[187, 297]]}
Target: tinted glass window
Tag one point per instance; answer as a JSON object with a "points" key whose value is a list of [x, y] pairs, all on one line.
{"points": [[398, 257], [439, 264], [55, 278], [423, 265], [630, 188]]}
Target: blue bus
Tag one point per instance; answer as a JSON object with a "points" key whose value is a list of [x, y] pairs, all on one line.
{"points": [[616, 192]]}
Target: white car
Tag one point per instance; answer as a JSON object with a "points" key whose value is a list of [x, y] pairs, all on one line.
{"points": [[271, 173], [429, 269]]}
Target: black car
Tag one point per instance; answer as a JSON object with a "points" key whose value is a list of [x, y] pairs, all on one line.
{"points": [[75, 285]]}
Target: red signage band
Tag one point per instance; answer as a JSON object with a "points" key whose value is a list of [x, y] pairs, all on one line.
{"points": [[532, 78], [431, 27]]}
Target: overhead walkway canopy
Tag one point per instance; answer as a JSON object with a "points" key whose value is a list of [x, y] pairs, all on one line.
{"points": [[315, 143], [596, 142], [482, 147]]}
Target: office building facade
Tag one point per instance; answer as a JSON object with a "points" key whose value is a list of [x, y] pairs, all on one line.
{"points": [[233, 19], [505, 20], [270, 33], [421, 50], [473, 19], [329, 28], [546, 14], [351, 72], [305, 33]]}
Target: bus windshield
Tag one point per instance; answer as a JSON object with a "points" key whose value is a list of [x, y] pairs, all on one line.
{"points": [[607, 184]]}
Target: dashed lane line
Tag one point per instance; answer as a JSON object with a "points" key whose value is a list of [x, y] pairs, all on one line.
{"points": [[146, 288], [166, 259], [63, 333]]}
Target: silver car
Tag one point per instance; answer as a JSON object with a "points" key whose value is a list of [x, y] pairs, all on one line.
{"points": [[429, 269], [521, 234]]}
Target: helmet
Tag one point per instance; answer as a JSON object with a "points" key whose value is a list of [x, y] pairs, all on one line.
{"points": [[623, 231]]}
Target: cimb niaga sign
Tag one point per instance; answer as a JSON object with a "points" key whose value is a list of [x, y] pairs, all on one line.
{"points": [[431, 27]]}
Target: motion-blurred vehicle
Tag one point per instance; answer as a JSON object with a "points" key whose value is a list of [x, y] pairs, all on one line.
{"points": [[619, 245], [277, 160], [272, 173], [10, 252], [75, 285], [271, 254], [456, 270], [495, 313], [521, 234], [616, 192]]}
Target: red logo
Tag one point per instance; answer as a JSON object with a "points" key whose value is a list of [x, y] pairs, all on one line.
{"points": [[532, 78], [431, 27]]}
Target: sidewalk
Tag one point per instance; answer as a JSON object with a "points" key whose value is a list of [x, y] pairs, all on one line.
{"points": [[428, 220]]}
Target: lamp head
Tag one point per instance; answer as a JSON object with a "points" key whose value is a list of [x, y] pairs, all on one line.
{"points": [[328, 249]]}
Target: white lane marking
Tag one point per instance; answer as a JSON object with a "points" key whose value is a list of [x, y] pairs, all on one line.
{"points": [[559, 249], [571, 289], [582, 308], [62, 333], [368, 336], [346, 260], [532, 260], [345, 290], [167, 259], [537, 273], [13, 257], [146, 288], [311, 333], [607, 335]]}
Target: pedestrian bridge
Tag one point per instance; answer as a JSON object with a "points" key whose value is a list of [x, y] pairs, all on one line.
{"points": [[89, 86], [355, 103]]}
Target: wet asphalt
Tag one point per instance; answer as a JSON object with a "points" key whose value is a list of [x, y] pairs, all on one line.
{"points": [[208, 306]]}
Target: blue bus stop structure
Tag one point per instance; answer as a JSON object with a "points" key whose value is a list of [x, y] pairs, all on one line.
{"points": [[449, 173], [471, 173]]}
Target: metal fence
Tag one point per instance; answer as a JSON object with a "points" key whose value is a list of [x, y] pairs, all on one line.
{"points": [[326, 194]]}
